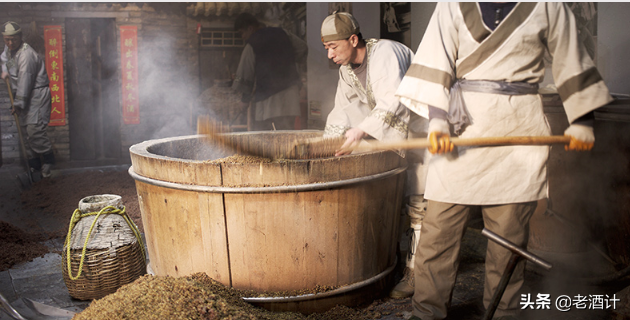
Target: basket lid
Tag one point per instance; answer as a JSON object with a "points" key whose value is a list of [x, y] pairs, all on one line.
{"points": [[97, 202]]}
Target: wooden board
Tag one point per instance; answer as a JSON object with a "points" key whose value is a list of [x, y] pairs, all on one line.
{"points": [[185, 232]]}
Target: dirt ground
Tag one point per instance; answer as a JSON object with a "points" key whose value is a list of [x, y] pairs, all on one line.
{"points": [[18, 246], [58, 197]]}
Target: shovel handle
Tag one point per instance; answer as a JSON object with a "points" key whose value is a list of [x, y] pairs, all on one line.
{"points": [[19, 130], [12, 103], [487, 141], [8, 82], [511, 141]]}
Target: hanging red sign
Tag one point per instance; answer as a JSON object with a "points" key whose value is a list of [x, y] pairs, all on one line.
{"points": [[54, 68], [129, 67]]}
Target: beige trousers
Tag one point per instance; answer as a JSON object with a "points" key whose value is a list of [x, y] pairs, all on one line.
{"points": [[437, 257]]}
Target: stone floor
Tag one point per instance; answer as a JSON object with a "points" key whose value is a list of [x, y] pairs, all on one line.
{"points": [[41, 279]]}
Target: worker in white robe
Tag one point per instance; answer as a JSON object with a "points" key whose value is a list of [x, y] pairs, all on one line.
{"points": [[494, 62], [366, 107], [267, 74]]}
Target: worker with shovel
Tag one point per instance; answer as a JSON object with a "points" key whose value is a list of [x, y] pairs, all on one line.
{"points": [[28, 77], [480, 78]]}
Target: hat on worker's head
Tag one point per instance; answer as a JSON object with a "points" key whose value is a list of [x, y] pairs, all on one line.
{"points": [[339, 26], [11, 28]]}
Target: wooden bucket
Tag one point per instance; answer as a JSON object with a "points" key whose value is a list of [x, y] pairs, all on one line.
{"points": [[280, 226]]}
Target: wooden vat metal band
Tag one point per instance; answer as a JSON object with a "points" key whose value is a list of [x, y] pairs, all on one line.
{"points": [[275, 189]]}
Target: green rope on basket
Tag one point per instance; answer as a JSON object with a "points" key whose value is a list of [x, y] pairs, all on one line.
{"points": [[77, 215]]}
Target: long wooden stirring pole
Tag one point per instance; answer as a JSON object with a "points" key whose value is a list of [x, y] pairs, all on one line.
{"points": [[485, 141]]}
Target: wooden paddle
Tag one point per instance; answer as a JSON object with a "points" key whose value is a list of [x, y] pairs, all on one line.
{"points": [[323, 147]]}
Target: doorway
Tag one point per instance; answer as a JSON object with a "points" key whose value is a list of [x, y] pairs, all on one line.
{"points": [[93, 89]]}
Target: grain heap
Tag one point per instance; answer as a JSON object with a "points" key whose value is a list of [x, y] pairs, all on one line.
{"points": [[258, 294], [193, 297], [17, 246]]}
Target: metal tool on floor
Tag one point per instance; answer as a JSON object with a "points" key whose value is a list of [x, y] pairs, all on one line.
{"points": [[517, 255], [6, 307], [26, 179], [33, 310]]}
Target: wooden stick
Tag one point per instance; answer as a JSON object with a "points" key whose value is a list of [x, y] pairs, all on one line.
{"points": [[320, 147], [19, 130], [485, 141]]}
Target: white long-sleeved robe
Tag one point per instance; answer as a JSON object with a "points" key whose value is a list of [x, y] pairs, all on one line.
{"points": [[459, 46], [374, 108]]}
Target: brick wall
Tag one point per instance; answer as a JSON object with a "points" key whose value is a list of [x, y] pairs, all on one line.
{"points": [[168, 76]]}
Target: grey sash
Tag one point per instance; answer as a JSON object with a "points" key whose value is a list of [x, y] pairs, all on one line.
{"points": [[458, 115]]}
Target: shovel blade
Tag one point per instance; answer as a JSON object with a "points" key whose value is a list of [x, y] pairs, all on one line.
{"points": [[49, 312], [24, 180], [27, 309], [8, 309]]}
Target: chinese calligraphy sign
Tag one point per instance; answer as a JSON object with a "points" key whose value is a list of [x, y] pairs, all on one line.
{"points": [[54, 68], [129, 70]]}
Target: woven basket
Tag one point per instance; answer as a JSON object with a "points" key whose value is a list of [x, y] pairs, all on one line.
{"points": [[101, 273], [107, 264]]}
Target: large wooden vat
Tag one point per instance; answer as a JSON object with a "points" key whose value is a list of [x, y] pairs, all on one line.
{"points": [[288, 225], [583, 228]]}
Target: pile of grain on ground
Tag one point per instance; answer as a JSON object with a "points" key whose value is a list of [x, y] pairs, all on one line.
{"points": [[291, 293], [193, 297], [17, 246], [60, 196]]}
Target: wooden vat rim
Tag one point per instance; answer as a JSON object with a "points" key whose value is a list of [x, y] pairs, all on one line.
{"points": [[142, 148], [180, 160], [271, 189]]}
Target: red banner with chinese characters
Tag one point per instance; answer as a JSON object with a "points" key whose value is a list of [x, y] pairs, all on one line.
{"points": [[129, 67], [54, 68]]}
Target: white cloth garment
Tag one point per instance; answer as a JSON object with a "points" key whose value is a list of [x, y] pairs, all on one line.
{"points": [[457, 45], [374, 108]]}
